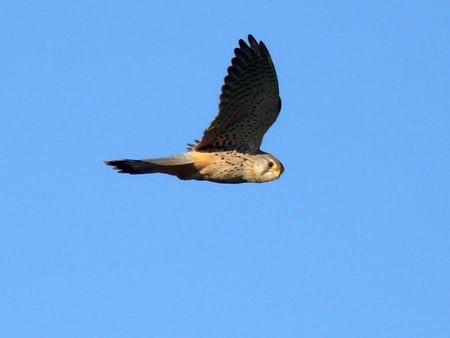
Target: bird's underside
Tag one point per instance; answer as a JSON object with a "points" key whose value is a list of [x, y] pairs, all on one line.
{"points": [[229, 151], [217, 166]]}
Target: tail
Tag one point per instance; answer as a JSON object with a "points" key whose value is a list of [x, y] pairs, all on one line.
{"points": [[179, 165]]}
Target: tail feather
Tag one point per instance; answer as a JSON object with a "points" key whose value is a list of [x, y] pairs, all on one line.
{"points": [[179, 165]]}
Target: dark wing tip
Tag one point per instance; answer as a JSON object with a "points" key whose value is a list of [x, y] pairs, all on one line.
{"points": [[244, 54], [259, 47], [263, 48], [252, 40], [248, 51]]}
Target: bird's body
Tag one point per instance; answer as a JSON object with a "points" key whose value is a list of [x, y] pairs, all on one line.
{"points": [[219, 166], [229, 149]]}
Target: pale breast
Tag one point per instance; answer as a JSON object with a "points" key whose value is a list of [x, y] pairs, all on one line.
{"points": [[224, 166]]}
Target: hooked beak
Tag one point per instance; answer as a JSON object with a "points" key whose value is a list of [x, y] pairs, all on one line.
{"points": [[280, 169]]}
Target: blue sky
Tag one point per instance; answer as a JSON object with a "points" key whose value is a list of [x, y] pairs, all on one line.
{"points": [[352, 240]]}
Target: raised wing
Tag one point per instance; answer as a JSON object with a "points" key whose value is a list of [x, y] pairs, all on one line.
{"points": [[249, 102]]}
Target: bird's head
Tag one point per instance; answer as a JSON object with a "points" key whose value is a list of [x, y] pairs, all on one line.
{"points": [[266, 168]]}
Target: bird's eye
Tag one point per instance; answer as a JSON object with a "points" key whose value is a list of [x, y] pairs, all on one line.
{"points": [[270, 164]]}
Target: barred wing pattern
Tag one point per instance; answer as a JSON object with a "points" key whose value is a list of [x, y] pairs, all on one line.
{"points": [[249, 102]]}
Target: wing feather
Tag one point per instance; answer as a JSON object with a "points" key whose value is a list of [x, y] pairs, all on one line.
{"points": [[249, 101]]}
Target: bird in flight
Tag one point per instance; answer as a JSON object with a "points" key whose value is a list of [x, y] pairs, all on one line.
{"points": [[229, 151]]}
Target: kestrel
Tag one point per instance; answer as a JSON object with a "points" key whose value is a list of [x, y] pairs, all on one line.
{"points": [[229, 149]]}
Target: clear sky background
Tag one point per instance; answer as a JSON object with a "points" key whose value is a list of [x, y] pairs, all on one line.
{"points": [[352, 241]]}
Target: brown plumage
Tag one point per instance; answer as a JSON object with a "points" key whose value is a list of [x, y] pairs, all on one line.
{"points": [[229, 151]]}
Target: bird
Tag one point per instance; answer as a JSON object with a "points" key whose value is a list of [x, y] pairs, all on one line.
{"points": [[229, 151]]}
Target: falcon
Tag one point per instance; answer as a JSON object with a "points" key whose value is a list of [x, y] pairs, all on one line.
{"points": [[229, 151]]}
